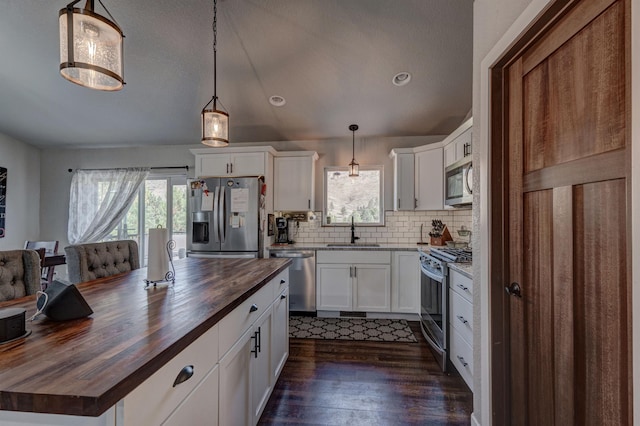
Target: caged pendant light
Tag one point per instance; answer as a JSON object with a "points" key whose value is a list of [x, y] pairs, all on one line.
{"points": [[354, 167], [91, 48], [215, 123]]}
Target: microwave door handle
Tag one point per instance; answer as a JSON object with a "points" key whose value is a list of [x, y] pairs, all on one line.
{"points": [[467, 175]]}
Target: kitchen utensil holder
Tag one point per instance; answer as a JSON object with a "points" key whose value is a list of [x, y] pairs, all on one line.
{"points": [[441, 240]]}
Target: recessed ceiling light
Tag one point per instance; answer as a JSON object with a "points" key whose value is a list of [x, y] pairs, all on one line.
{"points": [[277, 101], [401, 78]]}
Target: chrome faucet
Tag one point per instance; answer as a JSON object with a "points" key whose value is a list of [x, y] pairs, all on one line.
{"points": [[353, 232]]}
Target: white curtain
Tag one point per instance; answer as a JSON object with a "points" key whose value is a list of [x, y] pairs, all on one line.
{"points": [[99, 199]]}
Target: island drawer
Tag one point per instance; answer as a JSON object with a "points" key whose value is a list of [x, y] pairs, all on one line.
{"points": [[154, 400], [462, 357], [461, 284], [240, 319]]}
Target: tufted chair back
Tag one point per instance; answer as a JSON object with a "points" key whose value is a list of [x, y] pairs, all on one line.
{"points": [[19, 273], [86, 262]]}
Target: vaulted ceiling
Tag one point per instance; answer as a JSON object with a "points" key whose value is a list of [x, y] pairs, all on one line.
{"points": [[332, 60]]}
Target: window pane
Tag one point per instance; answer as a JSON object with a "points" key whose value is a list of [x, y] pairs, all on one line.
{"points": [[155, 209], [127, 229], [180, 216], [358, 197]]}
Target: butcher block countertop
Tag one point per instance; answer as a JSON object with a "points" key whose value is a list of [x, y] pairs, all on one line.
{"points": [[83, 367]]}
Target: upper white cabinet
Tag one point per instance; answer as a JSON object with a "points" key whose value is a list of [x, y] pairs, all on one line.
{"points": [[403, 179], [429, 173], [458, 144], [237, 161], [294, 181]]}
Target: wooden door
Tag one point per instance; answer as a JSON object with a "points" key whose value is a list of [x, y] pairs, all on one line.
{"points": [[568, 208]]}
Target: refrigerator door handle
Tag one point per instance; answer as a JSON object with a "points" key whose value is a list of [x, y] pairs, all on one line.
{"points": [[223, 214], [215, 215]]}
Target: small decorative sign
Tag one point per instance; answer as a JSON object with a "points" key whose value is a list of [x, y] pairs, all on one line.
{"points": [[3, 199]]}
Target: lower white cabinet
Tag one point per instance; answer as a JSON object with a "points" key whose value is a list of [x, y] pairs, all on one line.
{"points": [[353, 281], [280, 333], [461, 324], [260, 364], [405, 282], [201, 406], [235, 382]]}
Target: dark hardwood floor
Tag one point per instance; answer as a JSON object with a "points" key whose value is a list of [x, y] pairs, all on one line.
{"points": [[333, 382]]}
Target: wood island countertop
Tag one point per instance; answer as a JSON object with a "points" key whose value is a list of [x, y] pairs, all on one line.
{"points": [[83, 367]]}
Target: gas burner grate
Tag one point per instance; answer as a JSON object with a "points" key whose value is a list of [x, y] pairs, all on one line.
{"points": [[452, 254]]}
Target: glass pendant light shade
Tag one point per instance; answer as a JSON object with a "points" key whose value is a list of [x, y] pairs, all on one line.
{"points": [[215, 127], [91, 48], [354, 167]]}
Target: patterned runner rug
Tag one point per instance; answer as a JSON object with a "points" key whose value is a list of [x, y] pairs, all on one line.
{"points": [[381, 330]]}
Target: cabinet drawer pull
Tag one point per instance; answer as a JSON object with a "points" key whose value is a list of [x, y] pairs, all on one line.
{"points": [[461, 318], [227, 168], [282, 296], [282, 281], [253, 308], [462, 361], [309, 204], [231, 167], [255, 349], [464, 288], [184, 375]]}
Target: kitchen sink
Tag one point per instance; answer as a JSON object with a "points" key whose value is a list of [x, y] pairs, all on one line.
{"points": [[352, 245]]}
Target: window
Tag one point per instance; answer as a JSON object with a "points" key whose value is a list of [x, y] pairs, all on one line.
{"points": [[162, 200], [359, 197]]}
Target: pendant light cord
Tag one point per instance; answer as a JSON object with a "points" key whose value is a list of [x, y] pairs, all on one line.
{"points": [[215, 51]]}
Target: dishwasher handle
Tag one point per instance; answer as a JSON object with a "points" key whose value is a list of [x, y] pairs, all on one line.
{"points": [[293, 255]]}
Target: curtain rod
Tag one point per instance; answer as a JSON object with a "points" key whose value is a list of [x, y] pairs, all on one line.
{"points": [[124, 168]]}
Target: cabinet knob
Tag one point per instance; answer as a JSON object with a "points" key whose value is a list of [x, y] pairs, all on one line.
{"points": [[184, 375], [282, 296], [462, 361], [282, 281], [253, 308]]}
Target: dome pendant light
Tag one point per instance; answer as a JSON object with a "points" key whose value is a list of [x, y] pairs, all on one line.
{"points": [[215, 123], [354, 167], [91, 48]]}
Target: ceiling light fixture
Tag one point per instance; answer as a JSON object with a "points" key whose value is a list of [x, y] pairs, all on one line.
{"points": [[215, 122], [354, 167], [401, 78], [91, 48]]}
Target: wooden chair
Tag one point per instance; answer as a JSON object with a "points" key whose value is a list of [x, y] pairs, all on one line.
{"points": [[44, 248], [19, 274]]}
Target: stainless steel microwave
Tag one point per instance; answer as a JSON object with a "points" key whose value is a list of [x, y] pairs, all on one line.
{"points": [[458, 183]]}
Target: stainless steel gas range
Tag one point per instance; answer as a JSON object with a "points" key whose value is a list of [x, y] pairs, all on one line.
{"points": [[434, 299]]}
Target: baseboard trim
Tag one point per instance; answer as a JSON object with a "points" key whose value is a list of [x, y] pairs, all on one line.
{"points": [[474, 420], [372, 315]]}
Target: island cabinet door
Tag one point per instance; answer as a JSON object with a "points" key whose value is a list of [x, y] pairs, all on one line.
{"points": [[280, 334], [201, 406], [261, 364], [235, 383]]}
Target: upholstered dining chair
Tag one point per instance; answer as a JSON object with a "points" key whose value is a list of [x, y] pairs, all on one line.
{"points": [[19, 273], [86, 262]]}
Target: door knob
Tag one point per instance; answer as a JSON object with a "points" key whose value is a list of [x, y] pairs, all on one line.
{"points": [[514, 290]]}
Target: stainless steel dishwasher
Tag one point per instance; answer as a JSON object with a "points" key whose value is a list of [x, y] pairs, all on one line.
{"points": [[302, 279]]}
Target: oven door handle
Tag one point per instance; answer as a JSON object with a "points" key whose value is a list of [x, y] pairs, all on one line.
{"points": [[427, 335], [438, 278]]}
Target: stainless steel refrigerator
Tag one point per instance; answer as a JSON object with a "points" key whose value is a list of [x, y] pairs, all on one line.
{"points": [[224, 216]]}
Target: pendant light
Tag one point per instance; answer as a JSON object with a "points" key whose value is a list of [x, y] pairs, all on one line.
{"points": [[215, 123], [91, 48], [354, 167]]}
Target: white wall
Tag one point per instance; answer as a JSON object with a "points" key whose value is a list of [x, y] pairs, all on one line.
{"points": [[491, 19], [56, 179], [22, 162]]}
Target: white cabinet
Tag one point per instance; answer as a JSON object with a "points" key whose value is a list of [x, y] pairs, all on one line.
{"points": [[461, 324], [405, 282], [403, 179], [429, 179], [354, 281], [154, 400], [237, 161], [201, 406], [280, 333], [235, 383], [260, 364], [458, 144], [294, 181]]}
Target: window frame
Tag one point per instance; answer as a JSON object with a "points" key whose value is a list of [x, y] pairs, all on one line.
{"points": [[329, 169]]}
